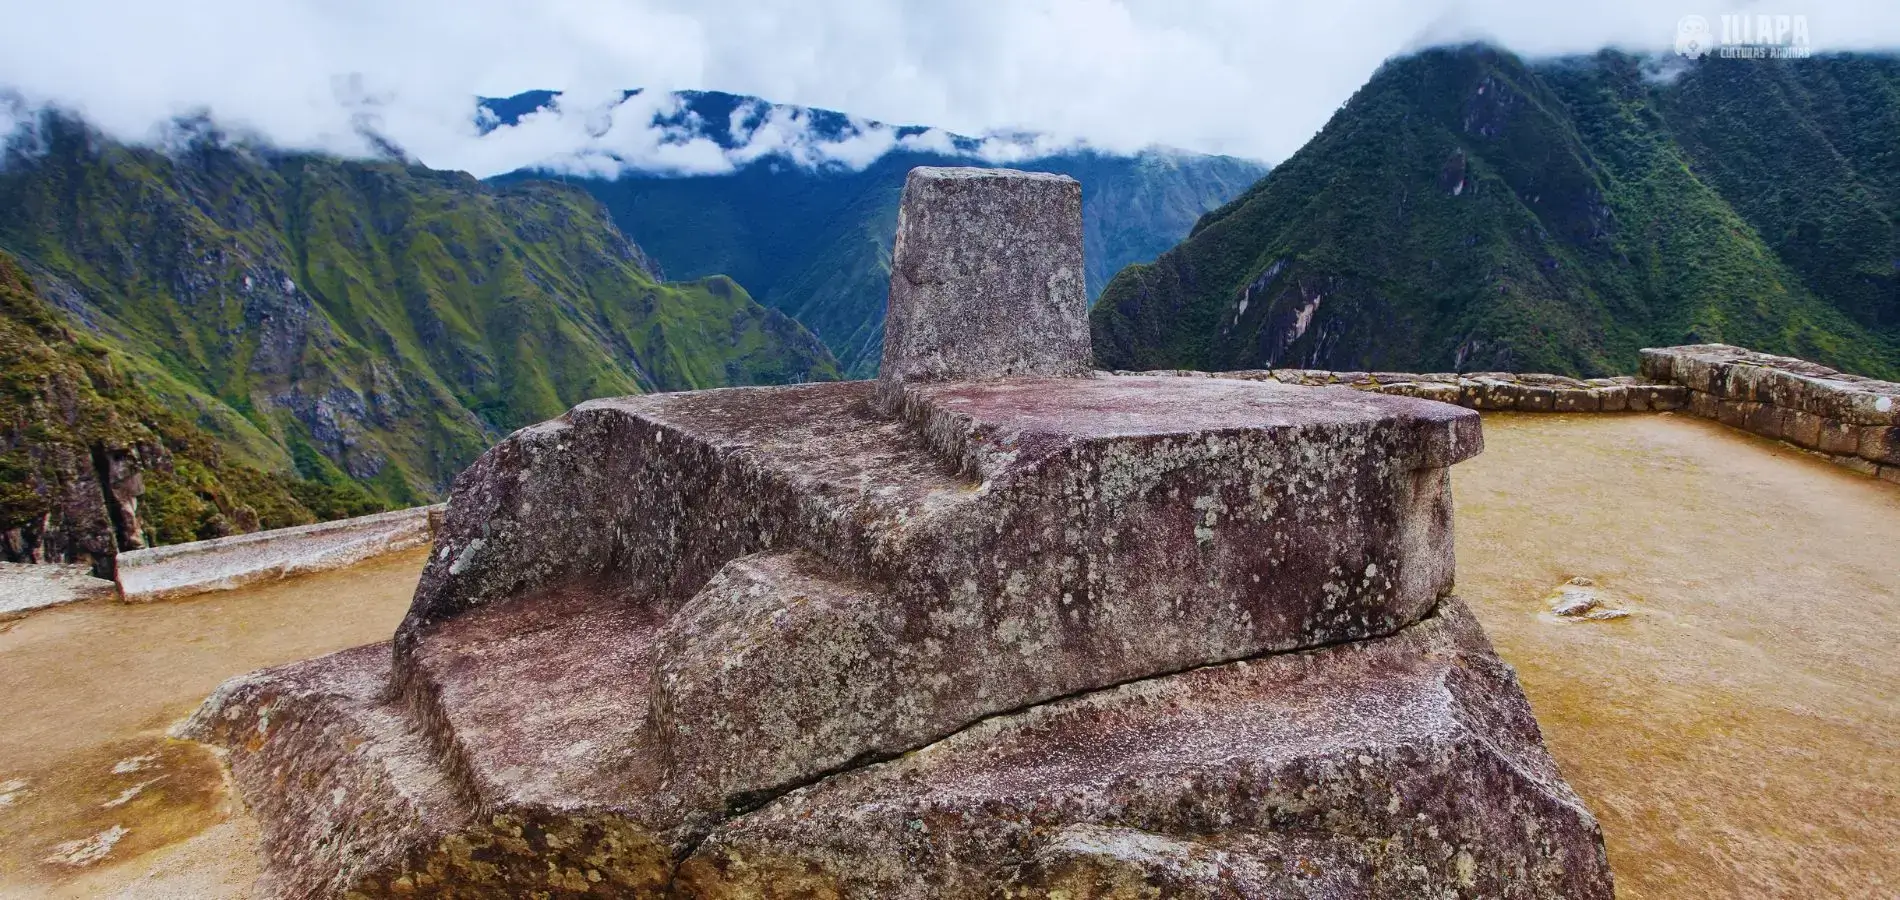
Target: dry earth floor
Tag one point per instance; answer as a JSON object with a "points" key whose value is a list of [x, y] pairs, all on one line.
{"points": [[1738, 733]]}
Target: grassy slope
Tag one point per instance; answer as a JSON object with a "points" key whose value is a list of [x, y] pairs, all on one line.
{"points": [[1815, 167], [367, 322], [1464, 210], [63, 393]]}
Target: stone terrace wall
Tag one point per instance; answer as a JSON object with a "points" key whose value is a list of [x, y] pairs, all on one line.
{"points": [[1498, 391], [220, 564], [1849, 420]]}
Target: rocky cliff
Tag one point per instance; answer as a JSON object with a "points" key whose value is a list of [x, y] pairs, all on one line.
{"points": [[91, 464], [960, 634], [1470, 211]]}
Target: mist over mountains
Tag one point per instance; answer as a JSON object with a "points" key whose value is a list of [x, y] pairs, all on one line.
{"points": [[805, 221], [276, 335]]}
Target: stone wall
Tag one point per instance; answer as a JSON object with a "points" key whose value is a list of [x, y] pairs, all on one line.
{"points": [[1496, 391], [220, 564], [27, 587], [1850, 420]]}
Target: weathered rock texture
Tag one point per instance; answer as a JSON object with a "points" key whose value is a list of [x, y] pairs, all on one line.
{"points": [[1488, 391], [1852, 420], [937, 637], [222, 564], [1407, 766], [986, 277]]}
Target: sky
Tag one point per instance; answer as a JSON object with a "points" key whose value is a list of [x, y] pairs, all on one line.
{"points": [[1251, 78]]}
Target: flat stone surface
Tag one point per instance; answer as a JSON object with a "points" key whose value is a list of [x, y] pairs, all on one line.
{"points": [[986, 277], [1013, 412], [542, 706], [25, 587], [1403, 767]]}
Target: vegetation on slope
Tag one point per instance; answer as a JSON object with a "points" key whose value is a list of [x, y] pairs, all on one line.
{"points": [[1465, 210], [73, 421], [364, 323], [816, 243]]}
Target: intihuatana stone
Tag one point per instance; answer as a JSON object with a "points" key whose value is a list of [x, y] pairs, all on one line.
{"points": [[986, 277], [967, 631]]}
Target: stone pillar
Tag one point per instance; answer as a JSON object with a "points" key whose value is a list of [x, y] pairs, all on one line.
{"points": [[986, 279]]}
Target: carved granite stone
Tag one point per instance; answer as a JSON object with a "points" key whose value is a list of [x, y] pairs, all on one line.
{"points": [[1038, 634], [986, 277], [1402, 767]]}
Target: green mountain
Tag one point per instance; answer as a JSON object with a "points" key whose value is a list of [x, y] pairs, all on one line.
{"points": [[369, 326], [1469, 210], [90, 463], [815, 242]]}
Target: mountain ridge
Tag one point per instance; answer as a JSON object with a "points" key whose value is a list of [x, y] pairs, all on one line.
{"points": [[1470, 210], [91, 463], [367, 322], [756, 222]]}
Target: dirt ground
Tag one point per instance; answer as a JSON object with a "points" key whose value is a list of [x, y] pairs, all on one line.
{"points": [[95, 800], [1738, 734]]}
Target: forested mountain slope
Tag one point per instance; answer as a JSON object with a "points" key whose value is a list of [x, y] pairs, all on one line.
{"points": [[363, 323], [1468, 210]]}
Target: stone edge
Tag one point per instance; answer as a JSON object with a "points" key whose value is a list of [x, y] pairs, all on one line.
{"points": [[1849, 420], [381, 533]]}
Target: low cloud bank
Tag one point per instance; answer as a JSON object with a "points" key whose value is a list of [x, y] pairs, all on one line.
{"points": [[1252, 78]]}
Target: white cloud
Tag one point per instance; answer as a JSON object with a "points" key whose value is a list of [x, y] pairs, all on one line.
{"points": [[1248, 77]]}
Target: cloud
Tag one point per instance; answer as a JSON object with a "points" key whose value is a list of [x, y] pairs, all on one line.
{"points": [[1249, 77], [659, 132], [579, 135]]}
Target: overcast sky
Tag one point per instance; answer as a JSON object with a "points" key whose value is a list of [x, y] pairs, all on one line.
{"points": [[1253, 78]]}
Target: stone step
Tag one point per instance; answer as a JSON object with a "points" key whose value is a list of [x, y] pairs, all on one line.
{"points": [[541, 703], [648, 496], [1413, 760], [345, 786], [523, 768], [1121, 528]]}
